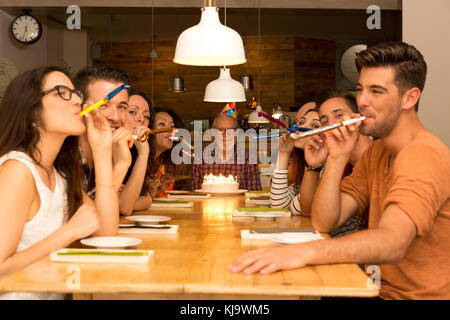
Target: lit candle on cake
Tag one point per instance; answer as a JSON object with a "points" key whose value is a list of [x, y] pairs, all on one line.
{"points": [[220, 183]]}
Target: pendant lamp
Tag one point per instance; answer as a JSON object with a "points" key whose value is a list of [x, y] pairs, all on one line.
{"points": [[177, 84], [253, 116], [277, 110], [247, 81], [224, 89], [153, 53], [209, 43]]}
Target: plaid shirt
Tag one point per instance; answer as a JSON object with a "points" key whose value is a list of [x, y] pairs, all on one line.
{"points": [[247, 174]]}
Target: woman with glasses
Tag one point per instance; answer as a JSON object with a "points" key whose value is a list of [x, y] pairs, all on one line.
{"points": [[42, 205]]}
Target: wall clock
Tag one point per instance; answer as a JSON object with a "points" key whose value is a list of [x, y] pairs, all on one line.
{"points": [[26, 29]]}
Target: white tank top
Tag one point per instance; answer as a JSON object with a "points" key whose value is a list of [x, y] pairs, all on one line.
{"points": [[50, 217]]}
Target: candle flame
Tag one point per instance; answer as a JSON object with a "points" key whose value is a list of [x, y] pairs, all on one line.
{"points": [[212, 179]]}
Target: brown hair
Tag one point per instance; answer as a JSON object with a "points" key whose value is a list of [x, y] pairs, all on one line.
{"points": [[89, 74], [327, 94], [133, 92], [165, 157], [20, 115], [296, 168], [133, 150], [409, 64]]}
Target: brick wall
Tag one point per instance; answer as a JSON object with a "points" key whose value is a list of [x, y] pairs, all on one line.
{"points": [[291, 69]]}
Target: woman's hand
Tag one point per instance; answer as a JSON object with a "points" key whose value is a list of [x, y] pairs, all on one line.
{"points": [[84, 222], [98, 130], [153, 186], [122, 142], [286, 144], [316, 151], [142, 147], [285, 148], [166, 181]]}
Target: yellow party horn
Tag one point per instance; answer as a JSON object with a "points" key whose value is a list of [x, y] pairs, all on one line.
{"points": [[105, 99]]}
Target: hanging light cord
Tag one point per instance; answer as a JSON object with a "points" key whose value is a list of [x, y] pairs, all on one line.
{"points": [[153, 38], [225, 22], [259, 49], [110, 38], [225, 12], [178, 32]]}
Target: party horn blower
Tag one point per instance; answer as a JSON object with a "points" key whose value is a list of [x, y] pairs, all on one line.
{"points": [[278, 122], [297, 128], [327, 128], [279, 134], [144, 136], [267, 136], [105, 99]]}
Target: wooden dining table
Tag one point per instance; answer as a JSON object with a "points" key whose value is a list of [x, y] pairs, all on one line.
{"points": [[192, 264]]}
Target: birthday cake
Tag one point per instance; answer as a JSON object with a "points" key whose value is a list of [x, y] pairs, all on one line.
{"points": [[219, 184]]}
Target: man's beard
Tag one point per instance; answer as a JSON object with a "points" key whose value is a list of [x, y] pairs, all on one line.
{"points": [[382, 128]]}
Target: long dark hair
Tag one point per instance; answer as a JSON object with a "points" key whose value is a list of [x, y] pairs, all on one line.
{"points": [[20, 117], [297, 164], [164, 158], [296, 168], [134, 152], [134, 92]]}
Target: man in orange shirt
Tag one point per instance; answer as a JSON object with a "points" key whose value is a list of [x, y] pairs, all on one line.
{"points": [[403, 179]]}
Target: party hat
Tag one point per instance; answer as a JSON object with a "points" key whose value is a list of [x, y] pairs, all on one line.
{"points": [[230, 110]]}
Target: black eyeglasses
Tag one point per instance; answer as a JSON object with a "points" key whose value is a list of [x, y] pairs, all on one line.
{"points": [[64, 92]]}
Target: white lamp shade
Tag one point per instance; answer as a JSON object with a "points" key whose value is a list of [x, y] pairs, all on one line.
{"points": [[253, 116], [153, 53], [278, 112], [224, 89], [209, 43]]}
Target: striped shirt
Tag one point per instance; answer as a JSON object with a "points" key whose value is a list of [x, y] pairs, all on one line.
{"points": [[282, 195]]}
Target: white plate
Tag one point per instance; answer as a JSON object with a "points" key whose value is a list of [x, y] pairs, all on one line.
{"points": [[257, 195], [111, 242], [294, 238], [266, 215], [257, 201], [148, 220], [178, 191], [163, 199], [156, 226], [126, 224], [231, 193]]}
